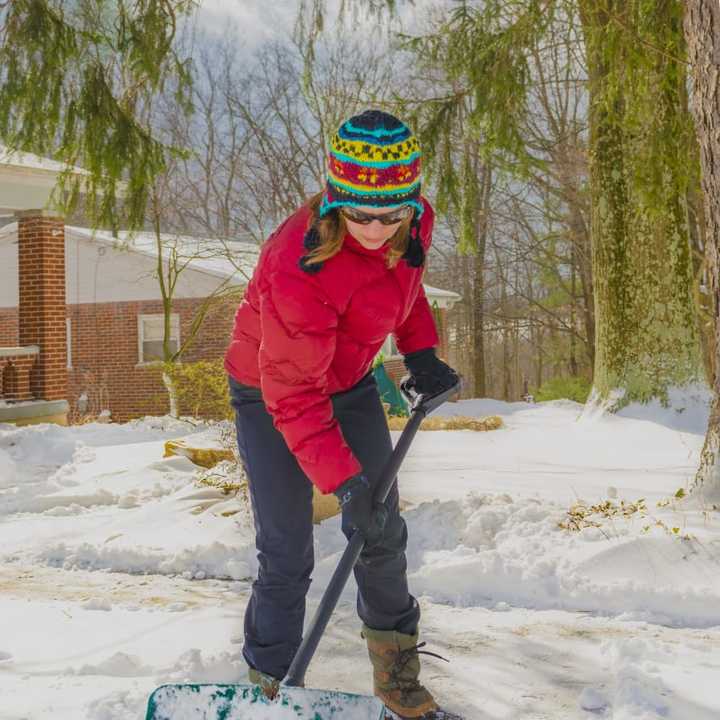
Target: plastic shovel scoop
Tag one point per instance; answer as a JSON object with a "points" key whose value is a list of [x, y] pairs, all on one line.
{"points": [[248, 702]]}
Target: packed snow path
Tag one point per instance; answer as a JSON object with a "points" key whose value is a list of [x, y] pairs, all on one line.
{"points": [[118, 573]]}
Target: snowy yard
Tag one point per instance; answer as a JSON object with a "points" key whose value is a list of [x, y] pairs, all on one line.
{"points": [[119, 573]]}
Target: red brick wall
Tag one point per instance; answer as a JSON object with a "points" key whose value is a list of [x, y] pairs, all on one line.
{"points": [[8, 327], [15, 373], [41, 300], [104, 351], [395, 369]]}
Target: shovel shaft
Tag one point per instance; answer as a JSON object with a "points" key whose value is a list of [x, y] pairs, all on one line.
{"points": [[296, 673], [421, 406]]}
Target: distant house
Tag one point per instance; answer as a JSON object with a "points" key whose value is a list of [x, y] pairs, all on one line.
{"points": [[109, 331], [33, 376], [113, 314]]}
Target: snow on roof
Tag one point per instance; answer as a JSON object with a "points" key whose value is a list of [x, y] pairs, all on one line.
{"points": [[30, 161], [439, 292], [234, 259]]}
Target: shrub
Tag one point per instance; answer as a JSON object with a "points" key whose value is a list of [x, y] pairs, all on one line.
{"points": [[201, 388], [569, 388]]}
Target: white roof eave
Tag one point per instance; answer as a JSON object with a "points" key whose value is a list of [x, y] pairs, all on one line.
{"points": [[35, 164], [87, 235]]}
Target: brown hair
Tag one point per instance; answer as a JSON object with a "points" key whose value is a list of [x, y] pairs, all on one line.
{"points": [[331, 230]]}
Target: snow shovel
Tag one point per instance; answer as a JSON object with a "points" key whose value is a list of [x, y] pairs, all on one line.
{"points": [[248, 702]]}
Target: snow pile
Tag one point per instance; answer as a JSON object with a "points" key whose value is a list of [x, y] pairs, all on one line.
{"points": [[118, 665], [121, 506], [620, 618], [687, 410], [639, 689], [109, 501], [492, 551], [649, 680], [8, 471], [118, 705], [194, 561]]}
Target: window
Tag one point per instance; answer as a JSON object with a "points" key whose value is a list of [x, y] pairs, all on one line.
{"points": [[150, 336]]}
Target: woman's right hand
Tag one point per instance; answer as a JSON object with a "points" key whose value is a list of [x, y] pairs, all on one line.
{"points": [[357, 503]]}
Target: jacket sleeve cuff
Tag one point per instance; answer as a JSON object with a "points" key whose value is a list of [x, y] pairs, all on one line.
{"points": [[328, 477]]}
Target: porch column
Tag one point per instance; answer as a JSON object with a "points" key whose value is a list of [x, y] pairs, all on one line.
{"points": [[41, 307]]}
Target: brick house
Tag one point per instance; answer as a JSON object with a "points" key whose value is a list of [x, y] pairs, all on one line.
{"points": [[107, 333], [112, 314], [33, 377]]}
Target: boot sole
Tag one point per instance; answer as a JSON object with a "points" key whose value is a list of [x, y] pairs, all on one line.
{"points": [[432, 715]]}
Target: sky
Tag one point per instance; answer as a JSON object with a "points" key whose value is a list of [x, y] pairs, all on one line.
{"points": [[257, 21]]}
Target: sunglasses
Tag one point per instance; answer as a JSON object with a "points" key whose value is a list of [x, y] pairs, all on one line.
{"points": [[390, 218]]}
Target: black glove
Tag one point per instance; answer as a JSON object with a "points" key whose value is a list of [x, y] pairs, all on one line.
{"points": [[356, 501], [428, 374]]}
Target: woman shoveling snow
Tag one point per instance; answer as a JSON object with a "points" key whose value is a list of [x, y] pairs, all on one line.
{"points": [[333, 281]]}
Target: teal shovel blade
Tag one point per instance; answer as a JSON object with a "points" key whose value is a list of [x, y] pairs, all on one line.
{"points": [[247, 702]]}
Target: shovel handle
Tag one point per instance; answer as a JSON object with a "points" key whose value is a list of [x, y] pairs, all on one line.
{"points": [[420, 407]]}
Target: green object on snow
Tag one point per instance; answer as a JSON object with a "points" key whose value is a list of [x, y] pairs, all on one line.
{"points": [[389, 391], [248, 702]]}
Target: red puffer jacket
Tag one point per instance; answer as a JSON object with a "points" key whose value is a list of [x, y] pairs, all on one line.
{"points": [[301, 336]]}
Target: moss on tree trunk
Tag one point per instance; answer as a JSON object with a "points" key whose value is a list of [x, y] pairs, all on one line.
{"points": [[646, 331], [702, 30]]}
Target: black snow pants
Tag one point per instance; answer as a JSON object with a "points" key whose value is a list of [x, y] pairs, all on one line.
{"points": [[281, 496]]}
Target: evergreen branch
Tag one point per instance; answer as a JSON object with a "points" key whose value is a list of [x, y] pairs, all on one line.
{"points": [[61, 93], [646, 43]]}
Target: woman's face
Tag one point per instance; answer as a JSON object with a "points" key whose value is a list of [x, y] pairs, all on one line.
{"points": [[373, 235]]}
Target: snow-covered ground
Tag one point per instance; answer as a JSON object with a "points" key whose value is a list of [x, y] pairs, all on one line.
{"points": [[118, 572]]}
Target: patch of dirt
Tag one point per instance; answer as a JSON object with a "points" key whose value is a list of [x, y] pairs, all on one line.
{"points": [[40, 583]]}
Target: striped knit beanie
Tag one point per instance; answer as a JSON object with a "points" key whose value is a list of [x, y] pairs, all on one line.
{"points": [[374, 160]]}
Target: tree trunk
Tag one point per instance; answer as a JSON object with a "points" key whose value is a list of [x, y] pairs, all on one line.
{"points": [[463, 318], [172, 394], [646, 332], [582, 252], [540, 350], [702, 31], [481, 225], [703, 300], [517, 375], [573, 313], [479, 322], [507, 361]]}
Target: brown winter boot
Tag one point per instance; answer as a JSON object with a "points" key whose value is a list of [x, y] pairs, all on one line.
{"points": [[396, 667], [268, 684]]}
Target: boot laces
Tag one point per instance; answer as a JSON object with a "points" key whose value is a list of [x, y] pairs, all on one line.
{"points": [[403, 658]]}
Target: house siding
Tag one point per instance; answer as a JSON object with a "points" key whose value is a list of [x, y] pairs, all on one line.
{"points": [[104, 350]]}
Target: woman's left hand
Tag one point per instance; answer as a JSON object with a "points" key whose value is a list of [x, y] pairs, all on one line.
{"points": [[428, 374]]}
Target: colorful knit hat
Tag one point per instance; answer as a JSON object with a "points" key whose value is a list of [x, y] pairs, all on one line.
{"points": [[374, 160]]}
